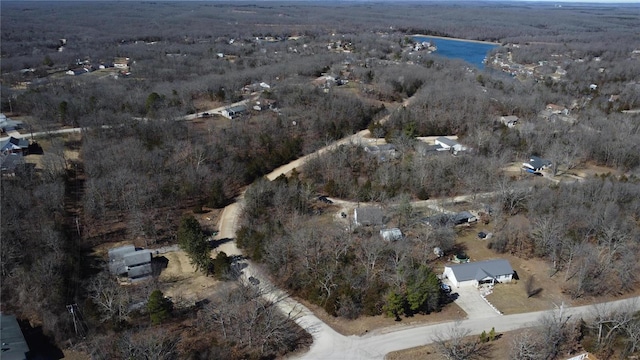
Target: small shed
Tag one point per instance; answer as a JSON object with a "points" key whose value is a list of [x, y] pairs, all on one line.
{"points": [[477, 273], [392, 234]]}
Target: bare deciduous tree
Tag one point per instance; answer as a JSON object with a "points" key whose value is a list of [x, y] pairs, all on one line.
{"points": [[456, 344]]}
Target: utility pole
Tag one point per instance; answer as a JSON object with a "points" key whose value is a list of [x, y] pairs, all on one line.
{"points": [[78, 322]]}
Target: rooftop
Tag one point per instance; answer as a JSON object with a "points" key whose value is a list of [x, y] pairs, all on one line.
{"points": [[481, 269]]}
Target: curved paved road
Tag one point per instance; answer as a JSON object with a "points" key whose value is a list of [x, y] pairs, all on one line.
{"points": [[329, 344]]}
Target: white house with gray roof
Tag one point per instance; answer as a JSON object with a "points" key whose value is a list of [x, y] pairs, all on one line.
{"points": [[477, 273], [447, 144]]}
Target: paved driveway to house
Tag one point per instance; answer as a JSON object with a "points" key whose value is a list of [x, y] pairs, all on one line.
{"points": [[472, 303]]}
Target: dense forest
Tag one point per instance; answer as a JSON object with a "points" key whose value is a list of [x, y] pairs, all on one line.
{"points": [[140, 171]]}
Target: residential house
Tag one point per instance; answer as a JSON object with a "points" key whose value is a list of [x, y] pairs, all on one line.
{"points": [[14, 345], [121, 63], [439, 220], [264, 104], [77, 71], [450, 219], [14, 145], [325, 81], [368, 216], [536, 164], [447, 144], [464, 217], [233, 112], [557, 109], [9, 163], [130, 262], [478, 273], [383, 152], [509, 121], [7, 124], [425, 149], [392, 234]]}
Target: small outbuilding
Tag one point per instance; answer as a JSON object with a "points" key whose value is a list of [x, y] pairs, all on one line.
{"points": [[478, 273], [392, 234]]}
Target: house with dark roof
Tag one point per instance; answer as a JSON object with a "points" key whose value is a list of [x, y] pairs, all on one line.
{"points": [[536, 164], [7, 124], [9, 163], [478, 273], [14, 345], [14, 145], [368, 216], [128, 261], [450, 219], [233, 112]]}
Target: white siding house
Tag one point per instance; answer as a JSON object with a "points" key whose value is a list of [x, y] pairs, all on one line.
{"points": [[481, 272]]}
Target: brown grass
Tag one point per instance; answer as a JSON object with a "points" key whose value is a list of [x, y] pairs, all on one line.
{"points": [[499, 350], [381, 323]]}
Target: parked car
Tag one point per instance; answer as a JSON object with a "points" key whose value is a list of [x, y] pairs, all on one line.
{"points": [[446, 288], [482, 235], [325, 200]]}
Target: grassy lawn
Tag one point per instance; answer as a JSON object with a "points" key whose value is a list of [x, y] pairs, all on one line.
{"points": [[511, 298]]}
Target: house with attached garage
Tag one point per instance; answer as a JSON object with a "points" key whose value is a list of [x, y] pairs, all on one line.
{"points": [[128, 261], [536, 164], [478, 273], [447, 144]]}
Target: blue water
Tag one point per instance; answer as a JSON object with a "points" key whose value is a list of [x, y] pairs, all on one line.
{"points": [[471, 52]]}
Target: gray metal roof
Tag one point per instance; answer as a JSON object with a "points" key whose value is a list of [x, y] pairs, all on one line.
{"points": [[237, 108], [481, 269], [538, 163], [14, 346], [369, 215], [137, 258], [447, 141], [140, 271], [119, 252]]}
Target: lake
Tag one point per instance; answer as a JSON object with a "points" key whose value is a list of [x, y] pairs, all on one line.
{"points": [[469, 51]]}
